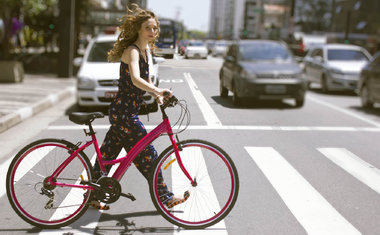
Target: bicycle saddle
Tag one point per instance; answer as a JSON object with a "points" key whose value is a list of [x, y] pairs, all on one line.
{"points": [[84, 118]]}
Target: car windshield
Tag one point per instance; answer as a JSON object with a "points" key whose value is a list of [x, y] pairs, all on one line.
{"points": [[196, 44], [263, 51], [346, 55], [99, 51]]}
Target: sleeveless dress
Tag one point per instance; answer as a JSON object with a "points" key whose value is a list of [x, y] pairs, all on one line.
{"points": [[126, 128]]}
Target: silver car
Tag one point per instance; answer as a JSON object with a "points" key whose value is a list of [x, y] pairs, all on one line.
{"points": [[335, 66], [261, 69], [97, 81]]}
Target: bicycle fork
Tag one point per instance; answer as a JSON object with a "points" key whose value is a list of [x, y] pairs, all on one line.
{"points": [[177, 150]]}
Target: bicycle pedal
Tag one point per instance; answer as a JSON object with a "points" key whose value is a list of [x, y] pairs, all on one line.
{"points": [[128, 195]]}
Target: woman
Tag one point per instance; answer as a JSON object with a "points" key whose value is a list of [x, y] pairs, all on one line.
{"points": [[140, 28]]}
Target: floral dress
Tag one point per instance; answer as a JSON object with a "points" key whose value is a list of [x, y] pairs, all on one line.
{"points": [[126, 128]]}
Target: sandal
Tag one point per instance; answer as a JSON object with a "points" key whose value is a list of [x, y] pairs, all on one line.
{"points": [[176, 201], [98, 205]]}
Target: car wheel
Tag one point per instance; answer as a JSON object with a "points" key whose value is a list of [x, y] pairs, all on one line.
{"points": [[223, 90], [235, 98], [364, 97], [300, 101], [325, 86]]}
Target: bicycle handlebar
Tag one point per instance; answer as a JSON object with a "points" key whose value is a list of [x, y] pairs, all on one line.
{"points": [[171, 102]]}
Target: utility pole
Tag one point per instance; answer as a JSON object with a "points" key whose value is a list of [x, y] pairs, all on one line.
{"points": [[66, 38], [291, 19]]}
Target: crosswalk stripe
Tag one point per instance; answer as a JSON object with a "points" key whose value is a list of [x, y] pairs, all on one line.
{"points": [[361, 170], [177, 174], [313, 211]]}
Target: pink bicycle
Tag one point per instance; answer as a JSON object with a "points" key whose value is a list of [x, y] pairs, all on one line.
{"points": [[50, 182]]}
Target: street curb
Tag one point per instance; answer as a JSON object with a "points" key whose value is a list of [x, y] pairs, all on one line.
{"points": [[21, 114]]}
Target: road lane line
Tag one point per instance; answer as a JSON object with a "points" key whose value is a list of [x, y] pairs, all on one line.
{"points": [[242, 127], [313, 211], [208, 113], [360, 169], [345, 111], [178, 176]]}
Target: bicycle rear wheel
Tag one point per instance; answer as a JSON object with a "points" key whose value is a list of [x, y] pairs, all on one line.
{"points": [[217, 184], [48, 206]]}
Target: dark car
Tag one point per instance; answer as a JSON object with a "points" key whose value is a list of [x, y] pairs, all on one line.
{"points": [[261, 69], [369, 83]]}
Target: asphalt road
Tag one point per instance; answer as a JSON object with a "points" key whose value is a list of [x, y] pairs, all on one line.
{"points": [[309, 170]]}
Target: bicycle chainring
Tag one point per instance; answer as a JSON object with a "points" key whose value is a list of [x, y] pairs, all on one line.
{"points": [[110, 190]]}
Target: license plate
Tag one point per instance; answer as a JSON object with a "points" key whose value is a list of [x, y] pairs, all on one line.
{"points": [[110, 94], [275, 89]]}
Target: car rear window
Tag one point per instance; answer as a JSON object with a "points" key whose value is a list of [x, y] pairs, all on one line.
{"points": [[263, 51], [346, 55], [99, 51]]}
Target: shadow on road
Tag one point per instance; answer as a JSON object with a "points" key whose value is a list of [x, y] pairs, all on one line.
{"points": [[254, 104]]}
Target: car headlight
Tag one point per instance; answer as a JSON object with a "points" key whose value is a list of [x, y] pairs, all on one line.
{"points": [[247, 75], [86, 83]]}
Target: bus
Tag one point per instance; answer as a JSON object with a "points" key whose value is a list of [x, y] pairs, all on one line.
{"points": [[166, 43]]}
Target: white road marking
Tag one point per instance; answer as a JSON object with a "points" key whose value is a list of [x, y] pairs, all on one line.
{"points": [[361, 170], [177, 174], [246, 128], [208, 113], [313, 212], [3, 175], [345, 111]]}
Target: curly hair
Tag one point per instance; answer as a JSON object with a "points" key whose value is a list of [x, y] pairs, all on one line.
{"points": [[131, 24]]}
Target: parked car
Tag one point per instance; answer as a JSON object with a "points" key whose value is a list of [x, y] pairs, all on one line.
{"points": [[261, 69], [196, 49], [97, 79], [369, 83], [335, 66]]}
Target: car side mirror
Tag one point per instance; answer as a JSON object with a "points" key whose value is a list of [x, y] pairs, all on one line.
{"points": [[77, 61], [158, 60]]}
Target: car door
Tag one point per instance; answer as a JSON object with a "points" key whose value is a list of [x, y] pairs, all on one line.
{"points": [[313, 65], [374, 76], [308, 60], [229, 67], [320, 62]]}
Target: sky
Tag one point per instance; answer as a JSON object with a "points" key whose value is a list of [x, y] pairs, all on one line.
{"points": [[193, 13]]}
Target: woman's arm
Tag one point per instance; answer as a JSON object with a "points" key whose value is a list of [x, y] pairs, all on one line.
{"points": [[131, 56]]}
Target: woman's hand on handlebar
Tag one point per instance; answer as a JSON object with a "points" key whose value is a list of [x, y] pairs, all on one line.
{"points": [[163, 95]]}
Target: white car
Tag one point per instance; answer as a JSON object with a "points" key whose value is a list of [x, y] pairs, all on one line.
{"points": [[97, 79], [220, 48], [335, 66], [196, 49]]}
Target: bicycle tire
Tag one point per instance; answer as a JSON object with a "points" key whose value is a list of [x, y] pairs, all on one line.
{"points": [[210, 184], [25, 184]]}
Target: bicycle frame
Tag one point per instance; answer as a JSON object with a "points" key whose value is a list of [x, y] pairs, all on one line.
{"points": [[126, 161]]}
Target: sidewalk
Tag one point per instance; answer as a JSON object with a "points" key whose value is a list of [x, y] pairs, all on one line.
{"points": [[19, 101]]}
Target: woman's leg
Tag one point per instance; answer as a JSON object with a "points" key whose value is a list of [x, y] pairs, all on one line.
{"points": [[145, 160], [110, 149]]}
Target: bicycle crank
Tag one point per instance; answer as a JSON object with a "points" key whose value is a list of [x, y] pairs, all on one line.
{"points": [[109, 190]]}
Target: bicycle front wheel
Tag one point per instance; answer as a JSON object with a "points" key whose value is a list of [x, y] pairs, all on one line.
{"points": [[214, 194], [43, 205]]}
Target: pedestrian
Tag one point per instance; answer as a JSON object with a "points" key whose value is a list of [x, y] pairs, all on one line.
{"points": [[138, 32]]}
